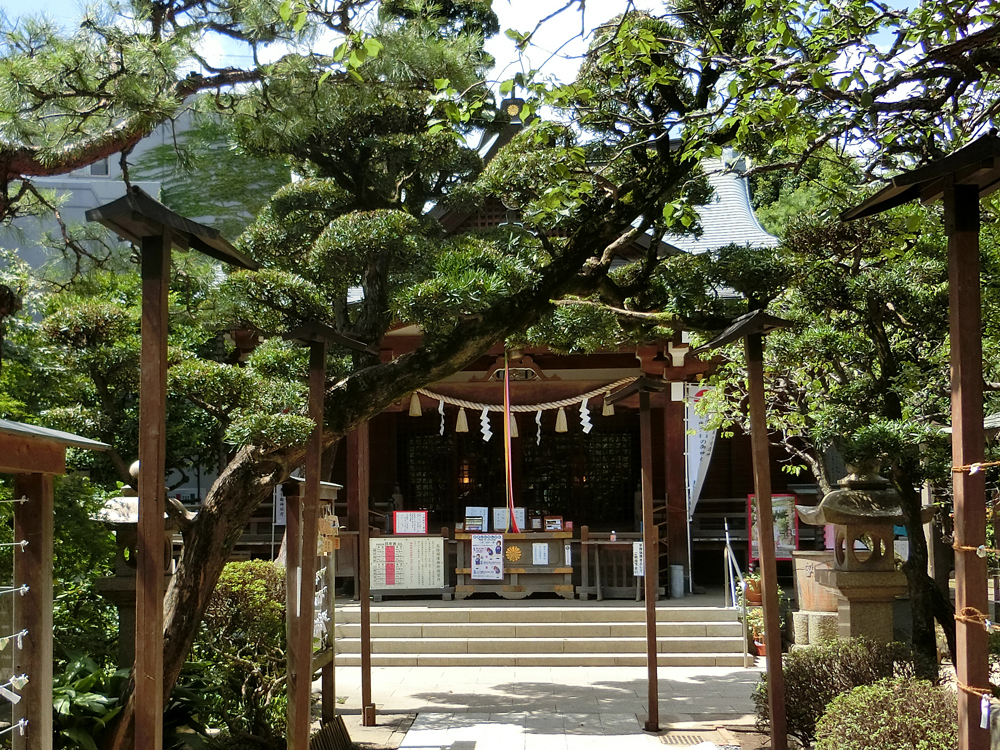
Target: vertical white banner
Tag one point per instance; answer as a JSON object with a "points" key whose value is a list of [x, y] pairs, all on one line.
{"points": [[280, 518], [700, 444]]}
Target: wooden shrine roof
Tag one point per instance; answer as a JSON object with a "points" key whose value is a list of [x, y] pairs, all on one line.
{"points": [[976, 164], [137, 214]]}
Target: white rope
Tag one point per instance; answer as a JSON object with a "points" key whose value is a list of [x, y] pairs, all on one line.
{"points": [[22, 499], [605, 389], [22, 590], [22, 544]]}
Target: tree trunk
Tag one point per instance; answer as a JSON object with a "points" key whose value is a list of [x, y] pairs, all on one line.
{"points": [[927, 603]]}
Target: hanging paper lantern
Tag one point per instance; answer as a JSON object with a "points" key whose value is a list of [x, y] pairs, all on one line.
{"points": [[462, 425], [513, 426], [561, 421], [415, 410]]}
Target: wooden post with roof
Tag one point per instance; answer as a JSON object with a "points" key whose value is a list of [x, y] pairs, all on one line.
{"points": [[302, 538], [34, 455], [650, 537], [751, 328], [155, 230], [960, 180]]}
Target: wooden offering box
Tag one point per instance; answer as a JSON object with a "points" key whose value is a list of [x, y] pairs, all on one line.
{"points": [[524, 571]]}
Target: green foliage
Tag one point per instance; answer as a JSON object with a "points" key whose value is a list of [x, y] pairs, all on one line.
{"points": [[241, 653], [84, 700], [814, 676], [892, 714]]}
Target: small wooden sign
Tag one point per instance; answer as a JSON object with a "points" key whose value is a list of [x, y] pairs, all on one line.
{"points": [[553, 523], [330, 543]]}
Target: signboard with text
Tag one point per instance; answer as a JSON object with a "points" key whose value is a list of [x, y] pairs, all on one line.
{"points": [[407, 563]]}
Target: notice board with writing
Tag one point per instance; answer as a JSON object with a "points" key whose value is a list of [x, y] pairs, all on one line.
{"points": [[407, 562]]}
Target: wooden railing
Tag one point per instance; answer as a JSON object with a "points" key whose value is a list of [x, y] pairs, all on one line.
{"points": [[606, 566]]}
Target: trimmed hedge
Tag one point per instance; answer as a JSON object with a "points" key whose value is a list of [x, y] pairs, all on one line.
{"points": [[894, 714], [815, 675]]}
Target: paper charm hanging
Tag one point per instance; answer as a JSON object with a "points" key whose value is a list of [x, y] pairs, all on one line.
{"points": [[10, 695], [538, 421], [484, 424], [585, 417], [441, 412], [19, 681], [984, 711]]}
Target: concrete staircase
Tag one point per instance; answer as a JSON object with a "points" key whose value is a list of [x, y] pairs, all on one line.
{"points": [[584, 634]]}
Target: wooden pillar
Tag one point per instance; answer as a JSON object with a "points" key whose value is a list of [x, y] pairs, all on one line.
{"points": [[33, 610], [152, 458], [961, 206], [328, 706], [306, 527], [650, 544], [358, 466], [765, 525], [674, 444]]}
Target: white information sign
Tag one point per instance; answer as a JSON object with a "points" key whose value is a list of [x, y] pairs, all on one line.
{"points": [[539, 553], [280, 512], [407, 563], [568, 550], [409, 521], [638, 562], [501, 516], [487, 557]]}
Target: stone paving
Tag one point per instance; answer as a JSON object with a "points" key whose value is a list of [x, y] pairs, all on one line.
{"points": [[524, 708]]}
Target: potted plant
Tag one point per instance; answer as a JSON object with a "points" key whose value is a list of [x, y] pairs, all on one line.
{"points": [[755, 627], [753, 589]]}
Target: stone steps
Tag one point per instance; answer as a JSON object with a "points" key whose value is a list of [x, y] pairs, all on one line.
{"points": [[526, 635]]}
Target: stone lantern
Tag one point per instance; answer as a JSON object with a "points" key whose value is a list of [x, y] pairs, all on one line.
{"points": [[863, 513], [122, 514]]}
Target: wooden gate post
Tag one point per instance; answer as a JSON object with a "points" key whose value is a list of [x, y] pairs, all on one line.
{"points": [[33, 523]]}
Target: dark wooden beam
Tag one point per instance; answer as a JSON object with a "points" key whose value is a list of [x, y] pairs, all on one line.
{"points": [[961, 207], [359, 488], [674, 444], [294, 505], [651, 573], [152, 459], [310, 538], [33, 521], [765, 525]]}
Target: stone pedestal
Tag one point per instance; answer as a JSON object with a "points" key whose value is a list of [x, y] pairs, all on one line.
{"points": [[865, 602]]}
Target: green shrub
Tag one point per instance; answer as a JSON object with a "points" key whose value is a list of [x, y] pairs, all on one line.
{"points": [[894, 714], [238, 661], [816, 675]]}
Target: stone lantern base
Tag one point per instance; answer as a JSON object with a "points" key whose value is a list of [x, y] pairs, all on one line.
{"points": [[865, 601]]}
